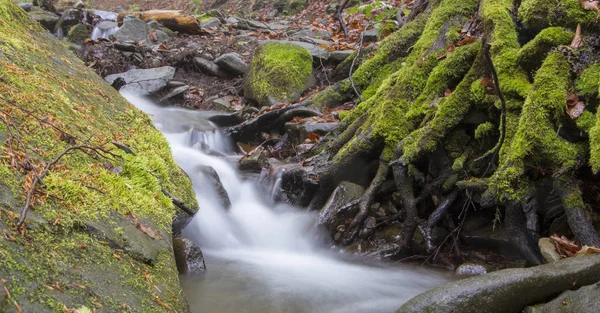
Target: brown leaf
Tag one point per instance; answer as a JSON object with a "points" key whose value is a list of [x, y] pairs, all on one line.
{"points": [[572, 99], [447, 92], [577, 39], [564, 246], [314, 137], [591, 5], [144, 228], [153, 36], [576, 110]]}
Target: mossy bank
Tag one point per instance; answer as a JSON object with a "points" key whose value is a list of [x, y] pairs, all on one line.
{"points": [[99, 233]]}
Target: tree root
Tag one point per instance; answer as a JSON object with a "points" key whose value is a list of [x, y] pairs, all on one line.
{"points": [[436, 216], [518, 235], [581, 226], [409, 203]]}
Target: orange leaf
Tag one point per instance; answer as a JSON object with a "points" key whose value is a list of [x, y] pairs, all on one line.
{"points": [[576, 110], [589, 5], [577, 40]]}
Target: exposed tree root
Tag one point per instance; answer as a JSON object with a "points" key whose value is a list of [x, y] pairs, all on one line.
{"points": [[580, 224], [436, 216]]}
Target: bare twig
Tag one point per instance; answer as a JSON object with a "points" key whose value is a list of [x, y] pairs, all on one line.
{"points": [[178, 203], [340, 17], [360, 44]]}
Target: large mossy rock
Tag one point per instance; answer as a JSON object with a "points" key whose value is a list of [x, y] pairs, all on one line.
{"points": [[507, 291], [279, 72], [99, 233]]}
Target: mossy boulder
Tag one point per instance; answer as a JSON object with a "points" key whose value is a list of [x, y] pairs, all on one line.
{"points": [[279, 72], [78, 33], [99, 232]]}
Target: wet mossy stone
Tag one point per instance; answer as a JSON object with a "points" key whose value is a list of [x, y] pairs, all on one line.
{"points": [[279, 72], [507, 290], [42, 77], [78, 33]]}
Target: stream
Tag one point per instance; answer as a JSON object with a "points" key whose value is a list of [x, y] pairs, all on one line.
{"points": [[260, 256]]}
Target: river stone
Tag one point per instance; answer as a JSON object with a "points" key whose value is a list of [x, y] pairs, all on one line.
{"points": [[144, 82], [297, 185], [233, 63], [508, 290], [212, 22], [209, 67], [69, 18], [254, 161], [176, 92], [215, 181], [188, 256], [132, 30], [582, 300], [470, 269], [335, 212], [47, 19], [548, 250]]}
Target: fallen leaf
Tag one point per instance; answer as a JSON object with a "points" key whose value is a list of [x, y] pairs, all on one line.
{"points": [[572, 99], [577, 39], [576, 110], [447, 92], [589, 5]]}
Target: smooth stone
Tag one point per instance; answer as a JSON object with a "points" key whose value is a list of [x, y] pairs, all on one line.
{"points": [[216, 183], [188, 256], [132, 30], [233, 63], [209, 67], [144, 82], [213, 22], [370, 35], [548, 250], [339, 56], [250, 24], [174, 93], [582, 300], [470, 269]]}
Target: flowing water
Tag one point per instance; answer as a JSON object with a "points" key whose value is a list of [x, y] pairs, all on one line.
{"points": [[259, 254]]}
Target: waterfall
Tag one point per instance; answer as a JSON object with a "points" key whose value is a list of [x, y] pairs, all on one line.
{"points": [[261, 256]]}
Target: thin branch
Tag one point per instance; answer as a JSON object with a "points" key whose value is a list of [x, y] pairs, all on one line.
{"points": [[360, 44], [178, 203], [340, 17]]}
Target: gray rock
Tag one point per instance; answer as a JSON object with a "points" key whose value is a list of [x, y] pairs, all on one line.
{"points": [[68, 19], [231, 20], [254, 161], [320, 34], [315, 41], [370, 35], [582, 300], [319, 54], [188, 256], [548, 250], [226, 119], [209, 67], [298, 132], [213, 22], [132, 30], [233, 63], [216, 183], [175, 83], [174, 93], [470, 269], [26, 6], [251, 25], [47, 19], [508, 290], [336, 210], [224, 104], [339, 56], [144, 82]]}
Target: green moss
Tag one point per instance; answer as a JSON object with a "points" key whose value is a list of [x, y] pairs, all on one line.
{"points": [[484, 130], [78, 33], [540, 14], [532, 54], [279, 72], [589, 81], [586, 121], [40, 76], [478, 92], [535, 140]]}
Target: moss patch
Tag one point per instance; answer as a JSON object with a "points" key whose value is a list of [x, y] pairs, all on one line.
{"points": [[40, 76]]}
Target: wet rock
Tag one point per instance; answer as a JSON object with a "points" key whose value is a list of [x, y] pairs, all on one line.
{"points": [[508, 290], [254, 162], [298, 132], [27, 7], [47, 19], [470, 269], [369, 228], [297, 186], [209, 67], [180, 221], [104, 29], [144, 82], [232, 63], [279, 72], [132, 30], [231, 20], [339, 56], [177, 92], [70, 18], [78, 34], [582, 300], [215, 181], [336, 210], [212, 22], [548, 250], [188, 256], [318, 53], [226, 104], [226, 119]]}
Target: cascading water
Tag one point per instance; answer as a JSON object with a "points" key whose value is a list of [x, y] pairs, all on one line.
{"points": [[260, 256]]}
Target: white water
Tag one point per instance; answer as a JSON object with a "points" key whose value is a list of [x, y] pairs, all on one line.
{"points": [[260, 256]]}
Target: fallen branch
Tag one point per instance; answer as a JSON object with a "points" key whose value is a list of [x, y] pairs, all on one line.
{"points": [[360, 44], [178, 203], [340, 18]]}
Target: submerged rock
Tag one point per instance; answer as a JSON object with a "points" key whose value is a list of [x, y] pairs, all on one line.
{"points": [[188, 256], [507, 290], [279, 72], [144, 82]]}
